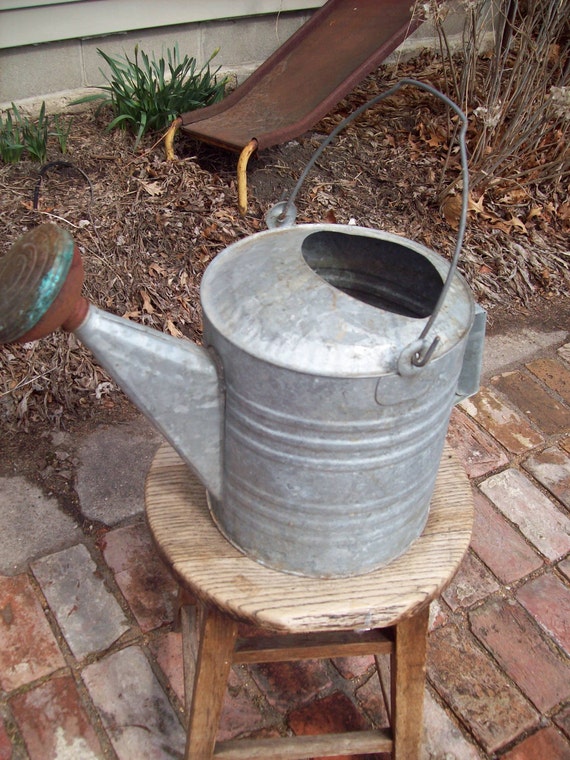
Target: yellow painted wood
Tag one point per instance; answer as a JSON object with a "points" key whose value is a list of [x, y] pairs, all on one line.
{"points": [[243, 160]]}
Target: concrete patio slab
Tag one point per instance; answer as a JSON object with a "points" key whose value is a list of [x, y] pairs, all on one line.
{"points": [[31, 524], [114, 461]]}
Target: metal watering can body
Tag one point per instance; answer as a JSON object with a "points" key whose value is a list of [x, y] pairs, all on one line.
{"points": [[317, 438], [316, 412], [332, 438]]}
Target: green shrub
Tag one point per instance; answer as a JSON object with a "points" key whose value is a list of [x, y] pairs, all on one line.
{"points": [[11, 145], [18, 133], [34, 134], [61, 131], [146, 95]]}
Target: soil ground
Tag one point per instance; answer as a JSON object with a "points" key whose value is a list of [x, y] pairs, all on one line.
{"points": [[147, 229]]}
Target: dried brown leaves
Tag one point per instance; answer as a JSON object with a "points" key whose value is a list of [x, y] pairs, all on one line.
{"points": [[154, 226]]}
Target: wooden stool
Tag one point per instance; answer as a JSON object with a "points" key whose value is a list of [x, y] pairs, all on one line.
{"points": [[385, 611]]}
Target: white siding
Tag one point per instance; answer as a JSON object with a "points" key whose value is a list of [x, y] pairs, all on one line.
{"points": [[28, 22]]}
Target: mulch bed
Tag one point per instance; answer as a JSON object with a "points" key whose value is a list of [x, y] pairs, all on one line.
{"points": [[151, 226]]}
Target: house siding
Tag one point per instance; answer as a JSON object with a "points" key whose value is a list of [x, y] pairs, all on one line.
{"points": [[60, 71], [30, 22]]}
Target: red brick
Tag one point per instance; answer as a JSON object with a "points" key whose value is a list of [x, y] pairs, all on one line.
{"points": [[265, 733], [564, 352], [241, 713], [562, 720], [289, 684], [512, 636], [28, 648], [5, 743], [476, 690], [332, 714], [438, 614], [551, 467], [471, 583], [538, 519], [546, 744], [88, 614], [564, 567], [547, 599], [443, 740], [148, 587], [370, 699], [499, 545], [167, 651], [53, 722], [353, 667], [553, 374], [134, 709], [475, 448], [506, 425], [543, 410]]}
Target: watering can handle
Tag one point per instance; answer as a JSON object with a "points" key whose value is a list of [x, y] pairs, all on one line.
{"points": [[283, 214]]}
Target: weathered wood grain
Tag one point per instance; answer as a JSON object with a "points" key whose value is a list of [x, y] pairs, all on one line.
{"points": [[298, 747]]}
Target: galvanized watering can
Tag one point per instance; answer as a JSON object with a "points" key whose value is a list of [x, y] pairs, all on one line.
{"points": [[315, 413]]}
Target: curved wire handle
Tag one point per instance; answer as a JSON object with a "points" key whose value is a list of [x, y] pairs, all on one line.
{"points": [[283, 214]]}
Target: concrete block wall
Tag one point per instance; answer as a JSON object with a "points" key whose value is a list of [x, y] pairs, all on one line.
{"points": [[58, 72]]}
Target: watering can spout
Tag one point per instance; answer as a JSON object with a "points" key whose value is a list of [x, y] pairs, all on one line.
{"points": [[172, 381]]}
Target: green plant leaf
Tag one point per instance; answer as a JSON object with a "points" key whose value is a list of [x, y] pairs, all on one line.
{"points": [[145, 97], [89, 98], [118, 120]]}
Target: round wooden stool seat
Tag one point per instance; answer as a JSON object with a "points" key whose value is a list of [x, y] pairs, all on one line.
{"points": [[382, 612], [204, 561]]}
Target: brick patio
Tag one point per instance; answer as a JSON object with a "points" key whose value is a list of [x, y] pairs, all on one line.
{"points": [[90, 662]]}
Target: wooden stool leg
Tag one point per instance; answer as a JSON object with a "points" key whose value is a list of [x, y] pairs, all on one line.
{"points": [[408, 684], [190, 627], [217, 640]]}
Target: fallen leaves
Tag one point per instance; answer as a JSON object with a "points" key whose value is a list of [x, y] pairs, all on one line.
{"points": [[156, 269], [564, 212], [173, 330], [156, 225], [152, 188], [513, 224], [433, 135], [451, 210], [147, 304]]}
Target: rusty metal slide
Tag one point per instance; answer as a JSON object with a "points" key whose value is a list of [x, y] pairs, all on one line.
{"points": [[341, 43]]}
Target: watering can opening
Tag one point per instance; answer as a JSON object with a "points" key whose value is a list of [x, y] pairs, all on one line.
{"points": [[381, 273]]}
